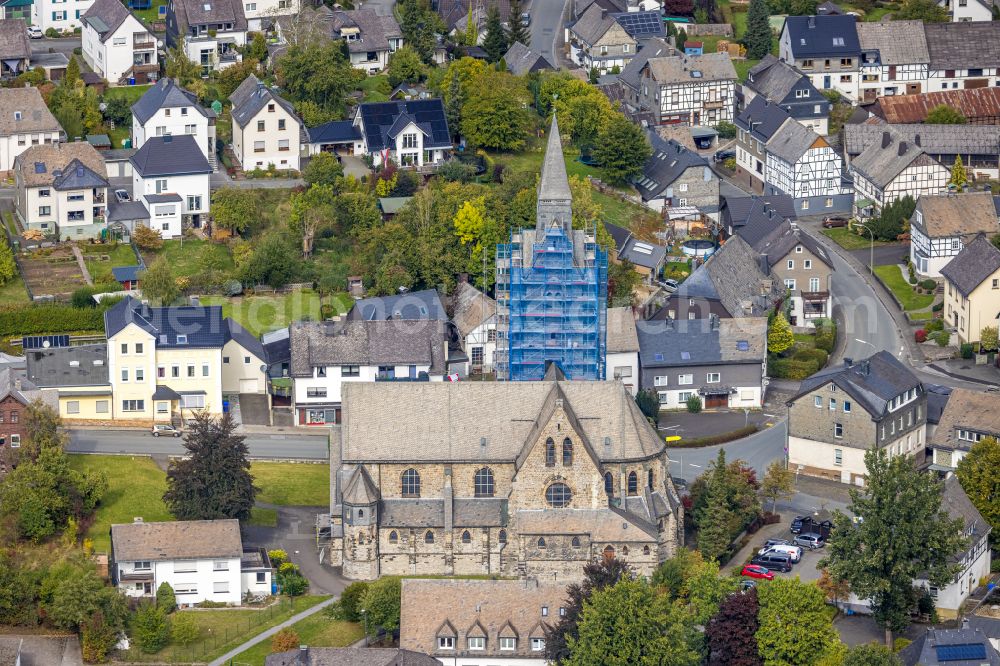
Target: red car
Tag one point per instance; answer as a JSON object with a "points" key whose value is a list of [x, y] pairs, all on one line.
{"points": [[754, 571]]}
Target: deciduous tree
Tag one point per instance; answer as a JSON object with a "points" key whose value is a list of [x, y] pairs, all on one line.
{"points": [[405, 65], [871, 654], [150, 628], [323, 169], [181, 68], [731, 635], [184, 630], [381, 601], [795, 625], [902, 532], [927, 11], [147, 238], [214, 481], [8, 267], [778, 483], [977, 472], [942, 114], [319, 74], [621, 149], [420, 25], [988, 338], [158, 284], [494, 114]]}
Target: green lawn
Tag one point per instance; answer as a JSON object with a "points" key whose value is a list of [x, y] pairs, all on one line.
{"points": [[118, 254], [376, 88], [189, 257], [317, 630], [292, 484], [261, 313], [892, 278], [135, 488], [264, 517], [130, 93], [12, 291], [850, 240]]}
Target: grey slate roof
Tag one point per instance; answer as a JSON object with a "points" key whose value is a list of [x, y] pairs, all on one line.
{"points": [[105, 16], [335, 131], [129, 210], [791, 141], [250, 97], [366, 343], [76, 175], [681, 68], [375, 30], [977, 261], [927, 649], [761, 118], [653, 48], [622, 335], [881, 162], [782, 240], [480, 512], [640, 253], [176, 540], [934, 139], [52, 367], [592, 24], [742, 211], [872, 382], [668, 344], [554, 183], [668, 162], [360, 489], [170, 156], [412, 513], [350, 656], [165, 94], [470, 308], [14, 43], [204, 12], [818, 36], [245, 338], [958, 505], [734, 277], [521, 60], [963, 44], [966, 410], [163, 198], [774, 79], [413, 305], [897, 42], [203, 325]]}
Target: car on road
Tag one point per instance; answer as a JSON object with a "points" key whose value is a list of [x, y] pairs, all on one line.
{"points": [[122, 196], [834, 222], [165, 430], [526, 19], [723, 155], [756, 571], [810, 540], [800, 522], [34, 32]]}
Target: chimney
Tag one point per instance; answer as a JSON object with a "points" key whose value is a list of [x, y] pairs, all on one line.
{"points": [[902, 148], [604, 14], [866, 367], [17, 383], [812, 22], [304, 655], [886, 139], [916, 140]]}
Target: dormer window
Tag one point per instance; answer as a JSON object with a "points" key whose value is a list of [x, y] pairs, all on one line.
{"points": [[446, 642], [17, 115], [182, 339]]}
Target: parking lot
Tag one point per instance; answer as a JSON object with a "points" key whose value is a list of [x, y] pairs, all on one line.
{"points": [[806, 569]]}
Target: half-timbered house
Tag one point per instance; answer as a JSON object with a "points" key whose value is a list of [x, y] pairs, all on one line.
{"points": [[689, 90], [891, 169], [963, 55], [755, 125], [894, 58], [943, 224], [978, 145], [803, 165]]}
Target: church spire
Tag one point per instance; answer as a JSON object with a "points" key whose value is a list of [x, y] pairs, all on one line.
{"points": [[554, 198]]}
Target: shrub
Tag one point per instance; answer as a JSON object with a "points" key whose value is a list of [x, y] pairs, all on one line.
{"points": [[183, 629], [928, 284], [816, 355], [83, 298], [277, 557], [211, 604], [790, 368], [51, 33], [350, 601], [284, 640], [18, 320], [934, 325], [151, 628], [937, 307], [729, 163], [694, 404], [147, 238], [165, 598], [709, 440], [967, 351], [920, 335], [900, 643], [942, 338], [826, 337]]}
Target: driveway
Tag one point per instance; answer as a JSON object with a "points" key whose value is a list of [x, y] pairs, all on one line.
{"points": [[885, 255], [354, 166]]}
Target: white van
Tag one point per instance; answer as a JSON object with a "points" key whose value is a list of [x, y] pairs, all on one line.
{"points": [[793, 552]]}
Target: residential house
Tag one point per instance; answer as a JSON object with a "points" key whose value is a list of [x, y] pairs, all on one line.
{"points": [[348, 656], [844, 410], [167, 363], [979, 106], [964, 10], [721, 361], [117, 45], [166, 109], [977, 145], [370, 38], [756, 123], [797, 262], [627, 86], [25, 122], [731, 283], [765, 212], [603, 41], [963, 55], [829, 8], [894, 58], [266, 129], [647, 258], [11, 10], [202, 560], [623, 348], [824, 48], [892, 169], [16, 394], [75, 377], [804, 165], [481, 622], [325, 356], [968, 417], [475, 316], [512, 479], [59, 15], [212, 32], [945, 647], [409, 306], [264, 14], [972, 289], [61, 190], [521, 60], [675, 176], [784, 86], [171, 177], [688, 90], [411, 133], [944, 224], [15, 50]]}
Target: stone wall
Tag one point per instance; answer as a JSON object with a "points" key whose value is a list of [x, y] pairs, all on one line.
{"points": [[707, 30]]}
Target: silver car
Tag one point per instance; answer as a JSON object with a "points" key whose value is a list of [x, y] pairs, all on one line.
{"points": [[810, 540]]}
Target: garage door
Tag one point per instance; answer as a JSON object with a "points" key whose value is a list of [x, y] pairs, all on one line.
{"points": [[248, 386], [716, 401]]}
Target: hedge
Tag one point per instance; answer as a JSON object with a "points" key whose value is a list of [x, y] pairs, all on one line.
{"points": [[790, 368], [709, 440], [48, 319], [817, 355], [826, 337]]}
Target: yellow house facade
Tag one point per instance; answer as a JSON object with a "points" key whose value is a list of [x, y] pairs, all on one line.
{"points": [[972, 290]]}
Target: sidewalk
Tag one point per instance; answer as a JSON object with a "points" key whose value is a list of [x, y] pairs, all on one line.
{"points": [[967, 370], [263, 636]]}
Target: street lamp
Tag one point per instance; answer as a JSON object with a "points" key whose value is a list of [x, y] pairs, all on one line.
{"points": [[871, 260], [364, 614]]}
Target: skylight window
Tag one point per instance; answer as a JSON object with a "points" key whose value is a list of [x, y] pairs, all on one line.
{"points": [[685, 356], [838, 41], [742, 345]]}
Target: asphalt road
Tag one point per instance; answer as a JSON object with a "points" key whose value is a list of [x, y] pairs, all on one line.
{"points": [[61, 45], [546, 26], [759, 450], [278, 446]]}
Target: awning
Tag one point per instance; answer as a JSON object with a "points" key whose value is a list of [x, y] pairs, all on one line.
{"points": [[165, 393], [864, 203], [193, 393], [717, 391]]}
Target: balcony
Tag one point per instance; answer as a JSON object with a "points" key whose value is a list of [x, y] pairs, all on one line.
{"points": [[145, 68], [143, 42]]}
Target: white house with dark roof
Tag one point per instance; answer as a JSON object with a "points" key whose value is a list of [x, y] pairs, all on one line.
{"points": [[167, 109], [59, 15], [117, 45], [804, 165], [972, 289], [212, 31], [26, 121], [826, 49], [266, 129], [976, 144], [892, 169], [171, 176], [201, 560], [688, 90], [647, 258], [370, 39], [894, 58], [963, 54], [782, 85], [412, 133], [263, 14], [61, 190], [944, 224], [968, 10]]}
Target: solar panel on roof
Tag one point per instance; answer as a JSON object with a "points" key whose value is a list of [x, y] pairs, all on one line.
{"points": [[643, 248], [44, 341], [685, 356], [963, 652], [641, 23]]}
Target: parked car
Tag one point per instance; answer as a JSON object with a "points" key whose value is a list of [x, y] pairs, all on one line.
{"points": [[810, 540], [165, 430], [800, 522], [833, 222], [122, 196], [723, 155], [794, 552], [34, 32], [670, 285], [774, 562], [756, 571], [775, 542], [526, 19]]}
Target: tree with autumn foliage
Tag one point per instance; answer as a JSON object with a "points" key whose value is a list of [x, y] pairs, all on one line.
{"points": [[731, 635]]}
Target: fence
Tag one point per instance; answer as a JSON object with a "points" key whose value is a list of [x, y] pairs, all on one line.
{"points": [[14, 251], [243, 625]]}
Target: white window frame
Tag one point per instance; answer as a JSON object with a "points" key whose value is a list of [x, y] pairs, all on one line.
{"points": [[477, 643], [710, 375], [446, 642], [685, 380]]}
